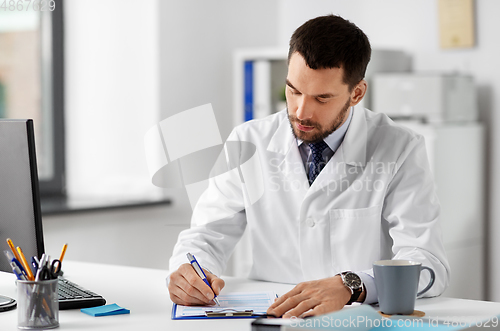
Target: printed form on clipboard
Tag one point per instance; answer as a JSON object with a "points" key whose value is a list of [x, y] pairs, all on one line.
{"points": [[232, 305]]}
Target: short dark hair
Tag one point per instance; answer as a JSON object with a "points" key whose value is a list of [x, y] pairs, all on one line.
{"points": [[332, 42]]}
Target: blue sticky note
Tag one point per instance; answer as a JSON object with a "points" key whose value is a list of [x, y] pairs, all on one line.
{"points": [[106, 310]]}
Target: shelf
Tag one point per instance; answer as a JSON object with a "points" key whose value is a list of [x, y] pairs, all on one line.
{"points": [[66, 205]]}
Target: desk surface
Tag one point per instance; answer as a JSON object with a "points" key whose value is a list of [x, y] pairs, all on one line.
{"points": [[146, 296]]}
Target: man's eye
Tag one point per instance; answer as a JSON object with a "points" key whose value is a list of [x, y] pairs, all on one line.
{"points": [[293, 91], [320, 100]]}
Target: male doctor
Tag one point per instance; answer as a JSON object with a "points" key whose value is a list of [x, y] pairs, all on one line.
{"points": [[342, 187]]}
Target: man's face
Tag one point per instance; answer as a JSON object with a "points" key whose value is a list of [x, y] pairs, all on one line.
{"points": [[318, 101]]}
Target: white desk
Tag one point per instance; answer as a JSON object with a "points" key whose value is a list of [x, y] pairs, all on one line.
{"points": [[144, 292]]}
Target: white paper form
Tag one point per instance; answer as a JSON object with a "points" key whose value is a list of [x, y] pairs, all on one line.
{"points": [[256, 301]]}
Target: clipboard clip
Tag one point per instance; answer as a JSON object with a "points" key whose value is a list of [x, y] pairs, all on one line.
{"points": [[228, 313]]}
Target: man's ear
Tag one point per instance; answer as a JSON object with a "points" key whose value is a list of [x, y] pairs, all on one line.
{"points": [[358, 92]]}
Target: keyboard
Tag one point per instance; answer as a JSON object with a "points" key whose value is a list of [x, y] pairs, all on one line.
{"points": [[73, 296]]}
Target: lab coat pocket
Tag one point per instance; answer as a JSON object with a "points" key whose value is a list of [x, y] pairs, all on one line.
{"points": [[355, 238]]}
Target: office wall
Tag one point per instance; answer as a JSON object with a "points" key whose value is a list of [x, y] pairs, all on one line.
{"points": [[111, 94], [142, 237], [412, 25], [197, 39]]}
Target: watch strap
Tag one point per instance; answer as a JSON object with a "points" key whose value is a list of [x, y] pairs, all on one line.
{"points": [[355, 295]]}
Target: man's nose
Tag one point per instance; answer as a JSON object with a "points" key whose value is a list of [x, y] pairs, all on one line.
{"points": [[304, 110]]}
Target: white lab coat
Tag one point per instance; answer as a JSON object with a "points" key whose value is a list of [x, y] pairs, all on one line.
{"points": [[375, 199]]}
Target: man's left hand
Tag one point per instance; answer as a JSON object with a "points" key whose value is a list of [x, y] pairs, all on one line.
{"points": [[312, 298]]}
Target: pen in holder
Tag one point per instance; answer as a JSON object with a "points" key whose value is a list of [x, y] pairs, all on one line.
{"points": [[37, 304]]}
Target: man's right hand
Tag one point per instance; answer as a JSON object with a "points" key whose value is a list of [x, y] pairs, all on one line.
{"points": [[188, 289]]}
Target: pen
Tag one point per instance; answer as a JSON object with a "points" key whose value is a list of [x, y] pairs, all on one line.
{"points": [[17, 271], [199, 271], [25, 264], [40, 267], [34, 263], [11, 258]]}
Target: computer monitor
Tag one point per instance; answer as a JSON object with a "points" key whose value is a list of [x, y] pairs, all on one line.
{"points": [[20, 214]]}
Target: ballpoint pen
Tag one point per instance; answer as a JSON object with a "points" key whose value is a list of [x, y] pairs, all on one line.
{"points": [[34, 263], [17, 271], [11, 258], [200, 273], [40, 267]]}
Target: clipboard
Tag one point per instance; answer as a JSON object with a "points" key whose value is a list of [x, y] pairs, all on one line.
{"points": [[226, 314], [233, 305]]}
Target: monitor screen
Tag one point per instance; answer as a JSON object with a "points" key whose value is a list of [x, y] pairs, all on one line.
{"points": [[20, 215]]}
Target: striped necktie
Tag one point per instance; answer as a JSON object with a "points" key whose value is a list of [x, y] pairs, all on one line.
{"points": [[317, 162]]}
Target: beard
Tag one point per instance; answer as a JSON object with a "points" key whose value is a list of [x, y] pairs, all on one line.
{"points": [[322, 131]]}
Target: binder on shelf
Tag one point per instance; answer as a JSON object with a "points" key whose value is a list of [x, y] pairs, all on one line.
{"points": [[257, 89], [248, 87]]}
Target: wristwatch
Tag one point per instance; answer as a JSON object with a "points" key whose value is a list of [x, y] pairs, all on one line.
{"points": [[353, 283]]}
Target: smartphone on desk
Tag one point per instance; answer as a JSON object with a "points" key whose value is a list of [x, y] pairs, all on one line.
{"points": [[271, 323]]}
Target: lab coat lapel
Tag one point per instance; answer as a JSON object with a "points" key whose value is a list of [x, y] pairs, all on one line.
{"points": [[284, 144], [354, 151], [351, 153]]}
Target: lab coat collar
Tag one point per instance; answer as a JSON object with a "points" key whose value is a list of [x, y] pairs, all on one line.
{"points": [[351, 153], [284, 143], [283, 138], [353, 148]]}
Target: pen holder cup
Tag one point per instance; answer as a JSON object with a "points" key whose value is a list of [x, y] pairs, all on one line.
{"points": [[37, 304]]}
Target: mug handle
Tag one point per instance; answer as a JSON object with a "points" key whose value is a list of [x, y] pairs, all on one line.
{"points": [[431, 282]]}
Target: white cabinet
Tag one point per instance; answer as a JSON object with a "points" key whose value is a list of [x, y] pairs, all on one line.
{"points": [[456, 156]]}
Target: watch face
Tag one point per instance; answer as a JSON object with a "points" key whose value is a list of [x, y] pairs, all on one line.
{"points": [[352, 280]]}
